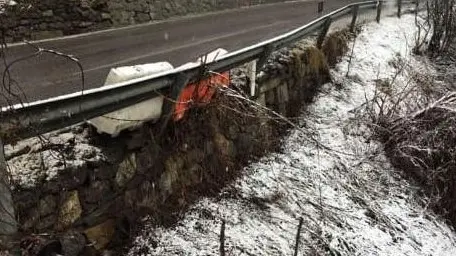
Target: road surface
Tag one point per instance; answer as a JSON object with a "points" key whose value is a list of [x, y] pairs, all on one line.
{"points": [[177, 41]]}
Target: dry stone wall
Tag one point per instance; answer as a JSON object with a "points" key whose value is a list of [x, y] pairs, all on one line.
{"points": [[40, 19]]}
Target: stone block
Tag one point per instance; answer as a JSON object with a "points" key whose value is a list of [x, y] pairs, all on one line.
{"points": [[142, 17], [105, 16], [46, 222], [126, 170], [100, 235], [282, 93], [47, 13], [270, 84], [47, 205], [73, 243], [40, 35], [70, 210], [224, 146], [97, 192], [262, 99]]}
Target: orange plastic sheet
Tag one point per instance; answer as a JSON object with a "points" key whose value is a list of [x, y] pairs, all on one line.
{"points": [[200, 93]]}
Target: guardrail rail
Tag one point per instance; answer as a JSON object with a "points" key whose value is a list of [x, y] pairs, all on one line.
{"points": [[22, 121]]}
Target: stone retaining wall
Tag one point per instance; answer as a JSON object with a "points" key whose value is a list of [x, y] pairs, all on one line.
{"points": [[86, 192], [40, 19]]}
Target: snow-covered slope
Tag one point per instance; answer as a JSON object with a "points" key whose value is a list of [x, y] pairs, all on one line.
{"points": [[350, 198]]}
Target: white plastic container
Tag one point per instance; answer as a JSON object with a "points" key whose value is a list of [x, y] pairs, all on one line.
{"points": [[133, 116]]}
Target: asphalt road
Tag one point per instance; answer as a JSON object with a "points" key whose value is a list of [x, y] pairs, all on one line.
{"points": [[177, 41]]}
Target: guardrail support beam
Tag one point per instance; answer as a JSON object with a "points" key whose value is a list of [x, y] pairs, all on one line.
{"points": [[320, 8], [355, 9], [169, 102], [379, 11], [268, 49], [323, 32], [24, 121]]}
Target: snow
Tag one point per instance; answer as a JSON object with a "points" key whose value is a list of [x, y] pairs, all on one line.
{"points": [[41, 159], [351, 199]]}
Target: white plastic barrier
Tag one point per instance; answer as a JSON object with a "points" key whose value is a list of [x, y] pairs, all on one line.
{"points": [[150, 110], [133, 116], [214, 55]]}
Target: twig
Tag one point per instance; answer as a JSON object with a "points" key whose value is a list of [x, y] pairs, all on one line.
{"points": [[222, 239], [298, 236], [351, 57]]}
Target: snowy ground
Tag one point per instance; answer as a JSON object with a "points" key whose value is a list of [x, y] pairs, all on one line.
{"points": [[40, 159], [351, 200]]}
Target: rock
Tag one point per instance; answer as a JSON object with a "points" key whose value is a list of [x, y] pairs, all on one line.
{"points": [[105, 16], [25, 22], [121, 17], [223, 145], [64, 138], [39, 35], [245, 143], [233, 132], [25, 199], [97, 191], [101, 235], [48, 13], [194, 156], [167, 181], [126, 170], [85, 24], [174, 163], [46, 222], [56, 25], [67, 180], [69, 211], [130, 198], [47, 205], [73, 243], [152, 15], [17, 150], [31, 219], [147, 196], [208, 148], [142, 17], [103, 173]]}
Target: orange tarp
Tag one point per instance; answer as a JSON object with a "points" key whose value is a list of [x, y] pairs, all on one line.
{"points": [[199, 93]]}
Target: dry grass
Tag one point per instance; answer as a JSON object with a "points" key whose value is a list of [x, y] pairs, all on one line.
{"points": [[418, 128], [335, 46], [423, 145]]}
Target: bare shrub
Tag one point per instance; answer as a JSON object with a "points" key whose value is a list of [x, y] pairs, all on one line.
{"points": [[423, 145], [335, 46], [418, 128], [440, 23]]}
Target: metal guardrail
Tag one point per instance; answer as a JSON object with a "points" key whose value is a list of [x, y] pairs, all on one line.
{"points": [[27, 120]]}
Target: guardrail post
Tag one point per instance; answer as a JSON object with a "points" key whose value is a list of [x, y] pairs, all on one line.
{"points": [[399, 8], [320, 8], [324, 31], [379, 11], [268, 49], [251, 74], [169, 102], [355, 9], [8, 224]]}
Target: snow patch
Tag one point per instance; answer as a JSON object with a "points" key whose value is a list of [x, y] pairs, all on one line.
{"points": [[40, 159], [351, 199]]}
